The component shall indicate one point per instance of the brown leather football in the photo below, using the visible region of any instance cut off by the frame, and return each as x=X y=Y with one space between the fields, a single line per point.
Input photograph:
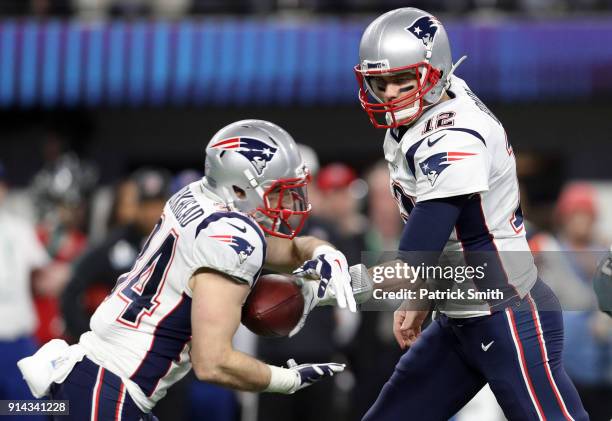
x=274 y=306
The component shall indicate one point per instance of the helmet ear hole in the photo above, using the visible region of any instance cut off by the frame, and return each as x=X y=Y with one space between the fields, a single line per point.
x=239 y=192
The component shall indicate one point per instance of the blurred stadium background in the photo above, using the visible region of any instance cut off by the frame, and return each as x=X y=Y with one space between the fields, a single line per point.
x=94 y=91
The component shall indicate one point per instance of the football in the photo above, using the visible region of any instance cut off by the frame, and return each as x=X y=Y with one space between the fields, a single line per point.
x=274 y=306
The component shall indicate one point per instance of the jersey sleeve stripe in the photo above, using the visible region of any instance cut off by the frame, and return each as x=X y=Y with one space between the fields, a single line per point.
x=219 y=215
x=412 y=150
x=410 y=155
x=468 y=131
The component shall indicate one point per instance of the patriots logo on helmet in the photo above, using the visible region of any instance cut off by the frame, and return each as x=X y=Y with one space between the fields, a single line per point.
x=425 y=29
x=433 y=166
x=256 y=151
x=241 y=246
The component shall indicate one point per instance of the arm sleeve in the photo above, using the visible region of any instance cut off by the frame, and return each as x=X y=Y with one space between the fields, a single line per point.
x=458 y=164
x=428 y=228
x=231 y=244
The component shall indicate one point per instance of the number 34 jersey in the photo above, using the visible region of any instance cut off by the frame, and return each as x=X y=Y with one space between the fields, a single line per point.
x=142 y=330
x=458 y=147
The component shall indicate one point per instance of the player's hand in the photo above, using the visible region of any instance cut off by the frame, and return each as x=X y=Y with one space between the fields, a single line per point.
x=407 y=326
x=308 y=374
x=332 y=269
x=309 y=292
x=361 y=291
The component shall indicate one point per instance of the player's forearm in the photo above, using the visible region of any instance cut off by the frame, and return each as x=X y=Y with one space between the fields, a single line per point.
x=285 y=255
x=305 y=248
x=423 y=239
x=240 y=371
x=235 y=370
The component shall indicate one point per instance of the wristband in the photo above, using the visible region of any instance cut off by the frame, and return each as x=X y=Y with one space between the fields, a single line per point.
x=282 y=380
x=322 y=249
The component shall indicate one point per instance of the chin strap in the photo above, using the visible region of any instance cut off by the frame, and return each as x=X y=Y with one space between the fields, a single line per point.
x=452 y=70
x=447 y=82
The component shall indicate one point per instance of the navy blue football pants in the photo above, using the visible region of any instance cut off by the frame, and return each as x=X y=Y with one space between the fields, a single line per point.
x=96 y=394
x=518 y=351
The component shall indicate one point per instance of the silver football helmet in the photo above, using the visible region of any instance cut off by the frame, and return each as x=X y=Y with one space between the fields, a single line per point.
x=256 y=167
x=405 y=40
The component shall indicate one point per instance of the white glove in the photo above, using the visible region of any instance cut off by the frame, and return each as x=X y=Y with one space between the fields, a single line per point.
x=331 y=267
x=309 y=374
x=309 y=292
x=361 y=290
x=296 y=377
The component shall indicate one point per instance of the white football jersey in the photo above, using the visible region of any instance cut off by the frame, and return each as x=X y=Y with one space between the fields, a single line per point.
x=458 y=147
x=142 y=331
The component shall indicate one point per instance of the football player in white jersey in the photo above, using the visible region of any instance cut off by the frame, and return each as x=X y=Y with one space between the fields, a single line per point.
x=180 y=305
x=453 y=174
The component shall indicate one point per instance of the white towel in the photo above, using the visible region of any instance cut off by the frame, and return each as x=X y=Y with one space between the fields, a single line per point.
x=50 y=364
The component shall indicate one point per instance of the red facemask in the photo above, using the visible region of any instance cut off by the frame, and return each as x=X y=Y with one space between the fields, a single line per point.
x=426 y=77
x=285 y=207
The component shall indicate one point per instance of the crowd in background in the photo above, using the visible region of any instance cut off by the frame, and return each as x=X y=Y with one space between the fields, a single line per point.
x=176 y=8
x=74 y=238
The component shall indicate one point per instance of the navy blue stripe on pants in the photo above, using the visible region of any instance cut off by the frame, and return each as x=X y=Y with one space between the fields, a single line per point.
x=517 y=351
x=96 y=394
